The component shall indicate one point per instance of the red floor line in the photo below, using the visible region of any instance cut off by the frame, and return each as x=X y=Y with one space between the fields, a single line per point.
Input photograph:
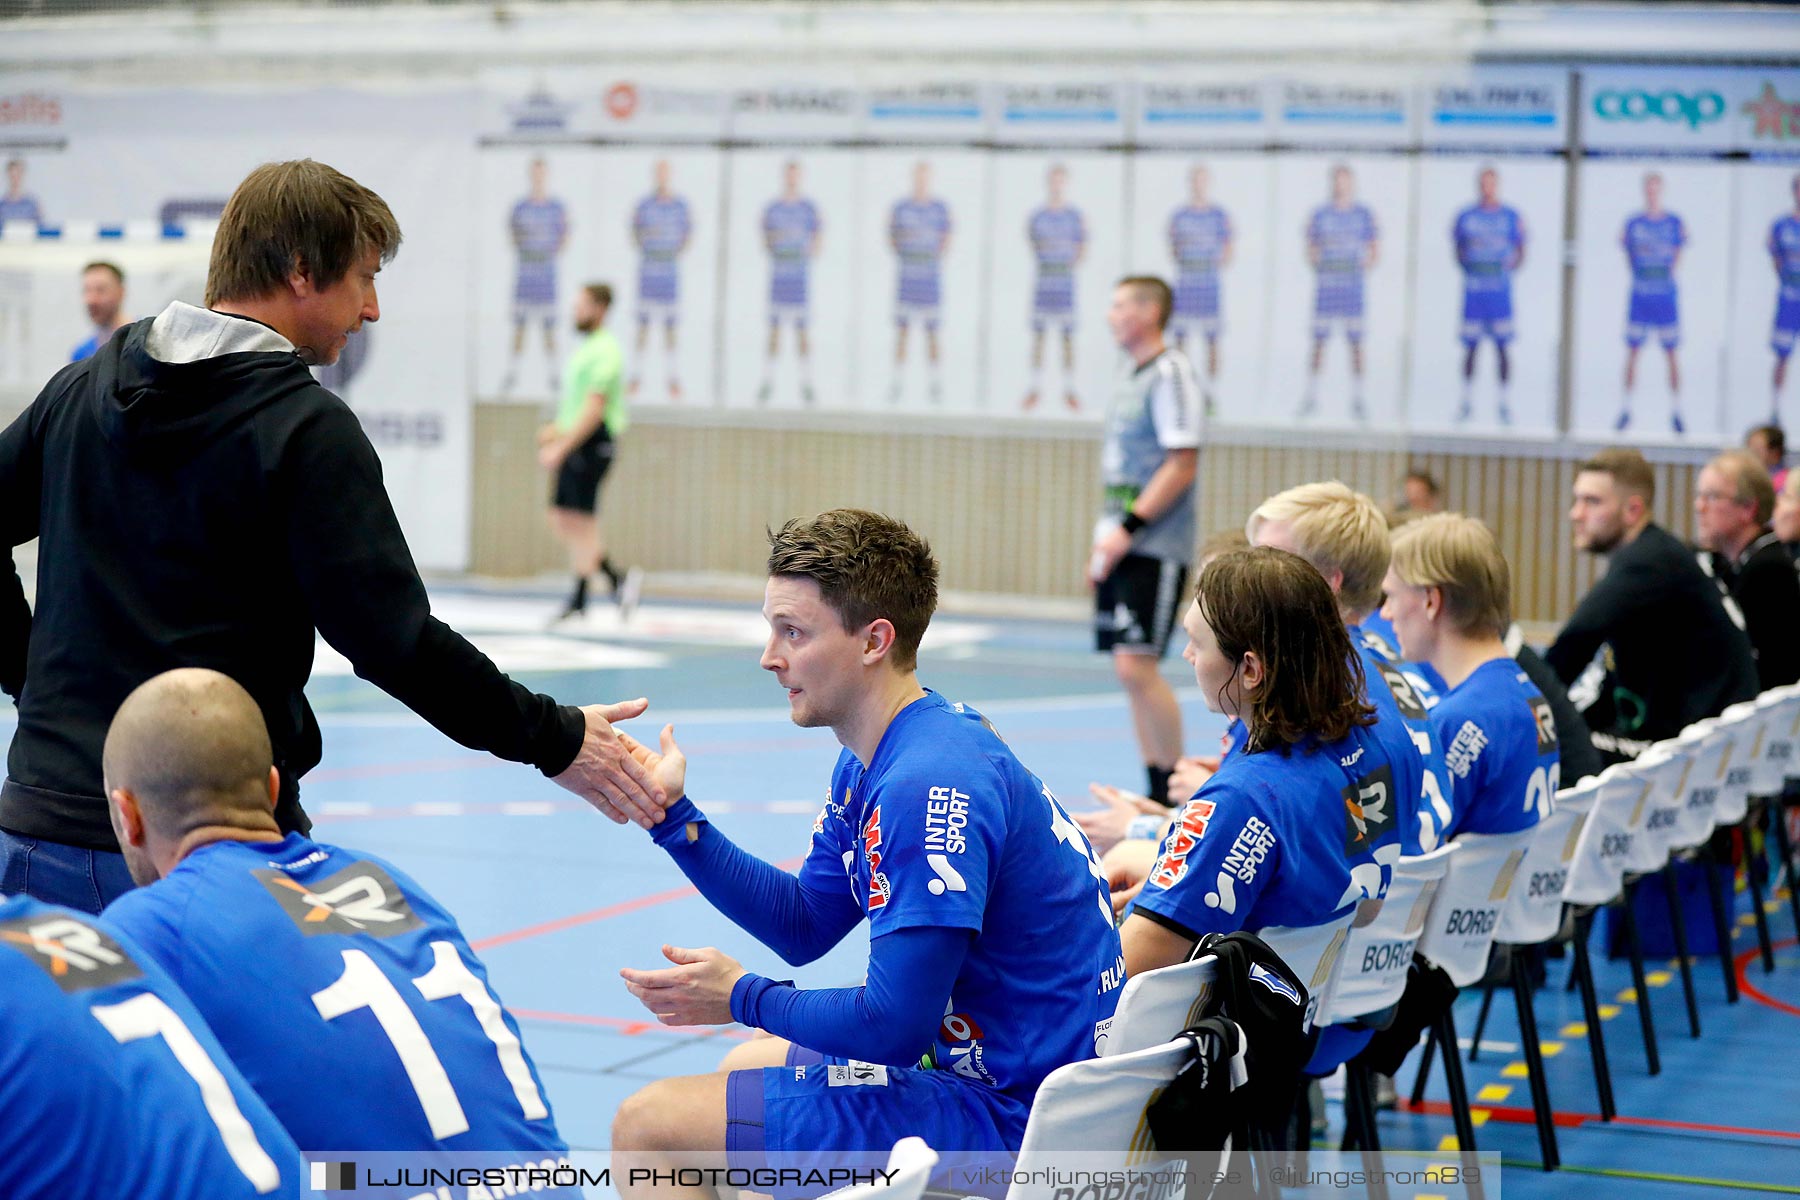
x=1572 y=1120
x=1757 y=994
x=597 y=914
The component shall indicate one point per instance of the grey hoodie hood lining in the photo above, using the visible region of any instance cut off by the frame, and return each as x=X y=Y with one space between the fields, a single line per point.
x=185 y=334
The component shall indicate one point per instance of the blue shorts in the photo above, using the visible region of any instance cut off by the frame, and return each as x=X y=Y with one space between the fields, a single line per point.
x=1053 y=301
x=1656 y=314
x=817 y=1106
x=1787 y=326
x=1487 y=314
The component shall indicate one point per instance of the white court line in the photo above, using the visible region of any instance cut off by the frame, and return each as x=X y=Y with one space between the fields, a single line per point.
x=528 y=808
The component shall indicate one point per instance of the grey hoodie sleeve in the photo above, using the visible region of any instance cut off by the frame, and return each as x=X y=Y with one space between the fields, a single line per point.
x=366 y=598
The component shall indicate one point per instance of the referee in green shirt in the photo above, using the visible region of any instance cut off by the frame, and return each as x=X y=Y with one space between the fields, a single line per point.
x=578 y=446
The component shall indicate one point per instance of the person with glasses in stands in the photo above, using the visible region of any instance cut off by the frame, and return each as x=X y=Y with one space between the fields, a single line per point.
x=1754 y=571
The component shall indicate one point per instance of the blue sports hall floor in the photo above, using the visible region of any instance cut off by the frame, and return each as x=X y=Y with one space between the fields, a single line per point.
x=556 y=899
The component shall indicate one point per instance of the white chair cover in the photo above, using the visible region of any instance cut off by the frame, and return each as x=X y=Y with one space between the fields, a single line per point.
x=1466 y=913
x=1749 y=728
x=1712 y=745
x=1157 y=1005
x=1613 y=826
x=1533 y=913
x=1312 y=953
x=1665 y=768
x=911 y=1160
x=1376 y=957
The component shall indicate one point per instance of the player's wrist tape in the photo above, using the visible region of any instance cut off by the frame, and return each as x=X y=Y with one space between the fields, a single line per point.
x=747 y=995
x=1132 y=523
x=1146 y=826
x=676 y=819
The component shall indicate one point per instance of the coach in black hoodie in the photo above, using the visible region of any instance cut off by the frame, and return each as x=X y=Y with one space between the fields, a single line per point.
x=202 y=502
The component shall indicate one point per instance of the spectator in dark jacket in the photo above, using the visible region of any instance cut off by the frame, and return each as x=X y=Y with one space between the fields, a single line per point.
x=1754 y=571
x=1650 y=649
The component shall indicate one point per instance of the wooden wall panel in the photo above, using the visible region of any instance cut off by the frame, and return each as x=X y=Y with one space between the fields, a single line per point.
x=1007 y=515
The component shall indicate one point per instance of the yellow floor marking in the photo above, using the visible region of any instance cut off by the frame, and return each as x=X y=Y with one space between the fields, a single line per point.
x=1516 y=1070
x=1658 y=978
x=1479 y=1117
x=1448 y=1142
x=1573 y=1029
x=1550 y=1049
x=1494 y=1093
x=1608 y=1012
x=1628 y=996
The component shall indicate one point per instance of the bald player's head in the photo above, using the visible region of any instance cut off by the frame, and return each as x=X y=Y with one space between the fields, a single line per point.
x=188 y=753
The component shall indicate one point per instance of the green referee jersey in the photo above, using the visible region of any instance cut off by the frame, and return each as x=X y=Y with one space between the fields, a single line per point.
x=598 y=365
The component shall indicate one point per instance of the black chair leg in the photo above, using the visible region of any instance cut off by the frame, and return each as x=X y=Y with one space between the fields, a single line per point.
x=1784 y=847
x=1487 y=1002
x=1424 y=1075
x=1678 y=926
x=1754 y=878
x=1721 y=924
x=1444 y=1029
x=1590 y=1007
x=1359 y=1126
x=1534 y=1064
x=1635 y=949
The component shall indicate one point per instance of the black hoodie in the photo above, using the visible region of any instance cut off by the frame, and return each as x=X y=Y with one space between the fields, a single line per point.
x=202 y=502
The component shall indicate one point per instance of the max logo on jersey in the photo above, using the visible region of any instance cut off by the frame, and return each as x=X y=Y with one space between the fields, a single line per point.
x=76 y=955
x=362 y=898
x=1182 y=839
x=879 y=890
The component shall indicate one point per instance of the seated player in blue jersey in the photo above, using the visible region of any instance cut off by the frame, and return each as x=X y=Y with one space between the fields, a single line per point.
x=1449 y=595
x=993 y=958
x=346 y=995
x=110 y=1082
x=1300 y=824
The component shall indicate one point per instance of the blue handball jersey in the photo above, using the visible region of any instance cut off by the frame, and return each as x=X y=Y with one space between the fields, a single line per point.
x=946 y=828
x=1500 y=745
x=1784 y=245
x=1403 y=709
x=1651 y=244
x=347 y=996
x=110 y=1081
x=917 y=229
x=789 y=227
x=1057 y=235
x=1198 y=238
x=1342 y=237
x=1488 y=242
x=661 y=226
x=1278 y=838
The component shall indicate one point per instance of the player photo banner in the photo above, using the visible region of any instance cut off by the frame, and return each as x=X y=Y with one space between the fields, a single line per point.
x=1362 y=110
x=951 y=111
x=1061 y=113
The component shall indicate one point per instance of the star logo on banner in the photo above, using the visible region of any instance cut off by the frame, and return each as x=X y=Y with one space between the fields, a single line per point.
x=1775 y=118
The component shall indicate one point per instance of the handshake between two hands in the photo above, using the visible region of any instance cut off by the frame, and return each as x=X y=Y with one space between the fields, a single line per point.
x=628 y=781
x=620 y=776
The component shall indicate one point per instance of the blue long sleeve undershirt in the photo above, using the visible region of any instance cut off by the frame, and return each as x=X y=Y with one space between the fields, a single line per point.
x=892 y=1019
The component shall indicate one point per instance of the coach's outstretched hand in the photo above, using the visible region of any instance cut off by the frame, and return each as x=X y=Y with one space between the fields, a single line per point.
x=605 y=773
x=668 y=769
x=696 y=991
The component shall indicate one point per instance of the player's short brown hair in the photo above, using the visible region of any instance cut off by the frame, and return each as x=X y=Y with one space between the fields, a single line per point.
x=1750 y=481
x=1155 y=290
x=599 y=293
x=295 y=216
x=101 y=264
x=1629 y=469
x=868 y=567
x=1277 y=605
x=1460 y=557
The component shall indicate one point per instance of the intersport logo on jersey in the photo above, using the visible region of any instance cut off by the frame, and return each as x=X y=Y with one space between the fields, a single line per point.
x=1671 y=106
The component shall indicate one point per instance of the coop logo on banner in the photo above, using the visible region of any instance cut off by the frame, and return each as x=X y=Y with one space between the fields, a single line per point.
x=1671 y=106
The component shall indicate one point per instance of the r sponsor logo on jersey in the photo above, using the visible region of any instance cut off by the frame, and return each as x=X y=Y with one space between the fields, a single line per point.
x=1368 y=811
x=1546 y=724
x=362 y=898
x=879 y=891
x=1411 y=707
x=1186 y=834
x=1252 y=845
x=856 y=1074
x=78 y=956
